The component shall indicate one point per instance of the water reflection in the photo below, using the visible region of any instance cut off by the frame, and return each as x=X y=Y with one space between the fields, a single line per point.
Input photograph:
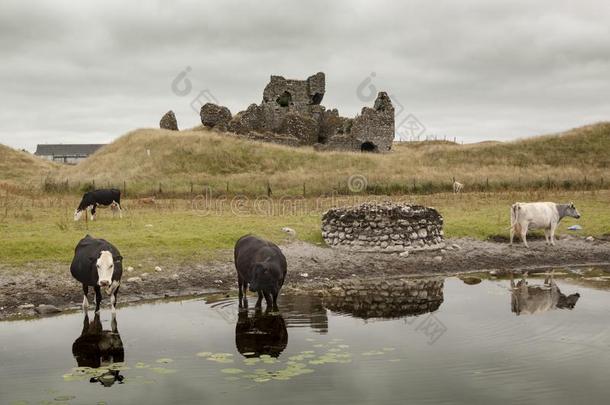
x=394 y=298
x=97 y=348
x=260 y=333
x=529 y=299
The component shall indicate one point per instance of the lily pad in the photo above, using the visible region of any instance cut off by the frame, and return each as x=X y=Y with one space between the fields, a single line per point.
x=232 y=371
x=204 y=354
x=165 y=360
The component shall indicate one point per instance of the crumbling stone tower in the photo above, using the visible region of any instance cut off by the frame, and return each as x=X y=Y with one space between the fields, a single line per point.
x=291 y=113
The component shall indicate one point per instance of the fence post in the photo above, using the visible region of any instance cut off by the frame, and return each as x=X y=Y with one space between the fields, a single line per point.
x=269 y=192
x=124 y=188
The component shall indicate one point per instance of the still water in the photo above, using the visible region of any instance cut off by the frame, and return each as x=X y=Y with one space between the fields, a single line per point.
x=461 y=344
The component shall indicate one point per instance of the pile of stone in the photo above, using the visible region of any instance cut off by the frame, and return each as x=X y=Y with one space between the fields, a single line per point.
x=383 y=227
x=393 y=298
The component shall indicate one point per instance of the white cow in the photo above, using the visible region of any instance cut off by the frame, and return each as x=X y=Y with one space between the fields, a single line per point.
x=457 y=187
x=538 y=215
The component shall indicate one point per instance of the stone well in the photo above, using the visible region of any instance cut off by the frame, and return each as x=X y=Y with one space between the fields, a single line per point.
x=384 y=227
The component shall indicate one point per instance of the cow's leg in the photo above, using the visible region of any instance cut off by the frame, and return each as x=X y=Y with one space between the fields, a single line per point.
x=259 y=300
x=120 y=211
x=512 y=280
x=113 y=299
x=93 y=212
x=85 y=301
x=268 y=299
x=546 y=236
x=98 y=298
x=512 y=234
x=275 y=307
x=524 y=235
x=553 y=228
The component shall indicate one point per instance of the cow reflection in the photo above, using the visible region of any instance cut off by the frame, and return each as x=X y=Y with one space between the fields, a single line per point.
x=96 y=347
x=260 y=333
x=535 y=299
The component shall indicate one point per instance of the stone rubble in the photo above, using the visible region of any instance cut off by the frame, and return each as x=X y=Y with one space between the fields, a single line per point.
x=168 y=121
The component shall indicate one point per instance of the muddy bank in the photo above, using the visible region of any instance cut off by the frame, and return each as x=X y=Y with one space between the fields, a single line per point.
x=310 y=268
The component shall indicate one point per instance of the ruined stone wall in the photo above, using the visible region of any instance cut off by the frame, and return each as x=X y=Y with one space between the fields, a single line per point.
x=382 y=227
x=290 y=113
x=389 y=298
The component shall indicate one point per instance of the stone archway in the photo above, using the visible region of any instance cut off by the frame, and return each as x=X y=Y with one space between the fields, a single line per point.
x=368 y=147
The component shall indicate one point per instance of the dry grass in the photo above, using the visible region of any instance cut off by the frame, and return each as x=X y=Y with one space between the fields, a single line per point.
x=19 y=168
x=575 y=160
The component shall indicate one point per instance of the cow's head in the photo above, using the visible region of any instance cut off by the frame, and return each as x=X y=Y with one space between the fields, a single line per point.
x=105 y=267
x=265 y=278
x=77 y=214
x=571 y=211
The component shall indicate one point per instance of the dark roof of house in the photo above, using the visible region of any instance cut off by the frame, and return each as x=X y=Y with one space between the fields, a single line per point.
x=67 y=149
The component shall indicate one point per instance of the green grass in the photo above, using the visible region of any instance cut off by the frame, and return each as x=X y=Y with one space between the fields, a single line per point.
x=42 y=230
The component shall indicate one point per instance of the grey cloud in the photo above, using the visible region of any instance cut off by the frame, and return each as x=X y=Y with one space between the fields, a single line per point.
x=474 y=69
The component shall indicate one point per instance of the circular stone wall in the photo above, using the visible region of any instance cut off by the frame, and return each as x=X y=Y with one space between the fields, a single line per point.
x=383 y=227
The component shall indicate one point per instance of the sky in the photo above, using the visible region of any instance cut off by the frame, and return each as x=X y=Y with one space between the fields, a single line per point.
x=473 y=70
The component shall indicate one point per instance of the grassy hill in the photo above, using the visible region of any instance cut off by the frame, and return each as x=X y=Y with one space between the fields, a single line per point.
x=149 y=159
x=18 y=168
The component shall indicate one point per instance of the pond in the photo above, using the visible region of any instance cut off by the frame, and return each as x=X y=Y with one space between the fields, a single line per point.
x=435 y=341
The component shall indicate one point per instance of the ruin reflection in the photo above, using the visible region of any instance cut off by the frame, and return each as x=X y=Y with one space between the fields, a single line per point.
x=97 y=348
x=394 y=298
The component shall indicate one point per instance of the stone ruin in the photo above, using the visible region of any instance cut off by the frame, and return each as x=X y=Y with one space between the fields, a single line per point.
x=291 y=113
x=388 y=298
x=168 y=121
x=384 y=227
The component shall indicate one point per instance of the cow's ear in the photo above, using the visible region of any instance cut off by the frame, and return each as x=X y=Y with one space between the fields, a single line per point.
x=118 y=258
x=92 y=259
x=571 y=204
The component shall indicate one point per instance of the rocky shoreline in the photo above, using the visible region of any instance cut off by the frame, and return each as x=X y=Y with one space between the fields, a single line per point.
x=311 y=270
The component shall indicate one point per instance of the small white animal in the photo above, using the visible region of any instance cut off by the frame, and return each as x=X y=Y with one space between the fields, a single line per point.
x=457 y=187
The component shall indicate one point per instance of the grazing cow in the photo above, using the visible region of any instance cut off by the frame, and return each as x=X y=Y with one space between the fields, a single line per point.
x=535 y=299
x=457 y=187
x=99 y=264
x=262 y=265
x=96 y=347
x=91 y=199
x=263 y=333
x=545 y=215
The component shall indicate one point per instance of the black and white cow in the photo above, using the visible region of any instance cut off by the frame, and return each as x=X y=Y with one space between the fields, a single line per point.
x=91 y=199
x=97 y=263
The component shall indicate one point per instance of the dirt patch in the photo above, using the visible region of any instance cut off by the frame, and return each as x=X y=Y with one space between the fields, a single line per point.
x=310 y=268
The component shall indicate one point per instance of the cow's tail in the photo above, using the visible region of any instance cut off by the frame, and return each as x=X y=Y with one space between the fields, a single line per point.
x=514 y=218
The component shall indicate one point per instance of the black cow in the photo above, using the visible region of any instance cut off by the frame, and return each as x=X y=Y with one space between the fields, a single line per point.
x=99 y=264
x=262 y=265
x=260 y=334
x=96 y=347
x=107 y=197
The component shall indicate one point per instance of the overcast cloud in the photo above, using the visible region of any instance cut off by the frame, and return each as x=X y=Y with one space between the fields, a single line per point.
x=88 y=72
